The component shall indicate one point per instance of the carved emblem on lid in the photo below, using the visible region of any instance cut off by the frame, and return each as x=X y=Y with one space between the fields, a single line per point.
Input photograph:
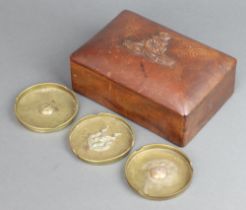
x=153 y=48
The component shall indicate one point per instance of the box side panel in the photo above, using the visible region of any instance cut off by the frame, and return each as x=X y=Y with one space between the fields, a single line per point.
x=150 y=115
x=209 y=106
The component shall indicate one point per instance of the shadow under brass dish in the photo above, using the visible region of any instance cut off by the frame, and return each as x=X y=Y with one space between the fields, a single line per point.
x=101 y=138
x=46 y=107
x=158 y=171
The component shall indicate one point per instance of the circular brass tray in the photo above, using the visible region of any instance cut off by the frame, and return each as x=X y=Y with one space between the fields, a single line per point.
x=46 y=107
x=158 y=171
x=101 y=138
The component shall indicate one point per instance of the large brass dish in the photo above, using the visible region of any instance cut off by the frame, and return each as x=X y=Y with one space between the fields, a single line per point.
x=46 y=107
x=158 y=171
x=101 y=138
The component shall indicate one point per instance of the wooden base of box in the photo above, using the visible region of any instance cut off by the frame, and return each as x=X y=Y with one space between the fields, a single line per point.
x=162 y=121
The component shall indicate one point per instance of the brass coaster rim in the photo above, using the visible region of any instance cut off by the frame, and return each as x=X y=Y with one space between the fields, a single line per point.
x=109 y=160
x=164 y=146
x=46 y=129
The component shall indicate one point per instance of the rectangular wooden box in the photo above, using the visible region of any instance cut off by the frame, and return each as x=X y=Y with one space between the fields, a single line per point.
x=161 y=79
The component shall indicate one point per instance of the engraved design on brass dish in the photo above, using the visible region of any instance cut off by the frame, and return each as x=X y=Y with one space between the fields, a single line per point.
x=153 y=48
x=48 y=108
x=101 y=141
x=158 y=171
x=101 y=138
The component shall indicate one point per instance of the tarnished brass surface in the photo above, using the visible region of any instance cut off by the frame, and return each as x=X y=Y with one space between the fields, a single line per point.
x=101 y=138
x=46 y=107
x=158 y=171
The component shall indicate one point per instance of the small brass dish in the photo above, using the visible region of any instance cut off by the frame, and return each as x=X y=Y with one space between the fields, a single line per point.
x=101 y=138
x=46 y=107
x=158 y=171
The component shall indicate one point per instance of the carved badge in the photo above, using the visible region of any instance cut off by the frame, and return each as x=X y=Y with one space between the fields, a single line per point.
x=153 y=48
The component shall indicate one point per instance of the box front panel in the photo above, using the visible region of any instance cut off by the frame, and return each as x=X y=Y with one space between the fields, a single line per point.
x=143 y=111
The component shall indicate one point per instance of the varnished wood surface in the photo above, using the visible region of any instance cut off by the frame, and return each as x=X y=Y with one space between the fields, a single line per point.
x=153 y=75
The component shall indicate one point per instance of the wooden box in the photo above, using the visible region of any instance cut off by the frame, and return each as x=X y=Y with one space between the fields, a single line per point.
x=161 y=79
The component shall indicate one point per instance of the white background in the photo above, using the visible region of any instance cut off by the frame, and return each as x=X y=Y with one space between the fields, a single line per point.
x=39 y=172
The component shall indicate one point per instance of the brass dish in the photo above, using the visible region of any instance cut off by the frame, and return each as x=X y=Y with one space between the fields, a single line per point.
x=158 y=171
x=46 y=107
x=101 y=138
